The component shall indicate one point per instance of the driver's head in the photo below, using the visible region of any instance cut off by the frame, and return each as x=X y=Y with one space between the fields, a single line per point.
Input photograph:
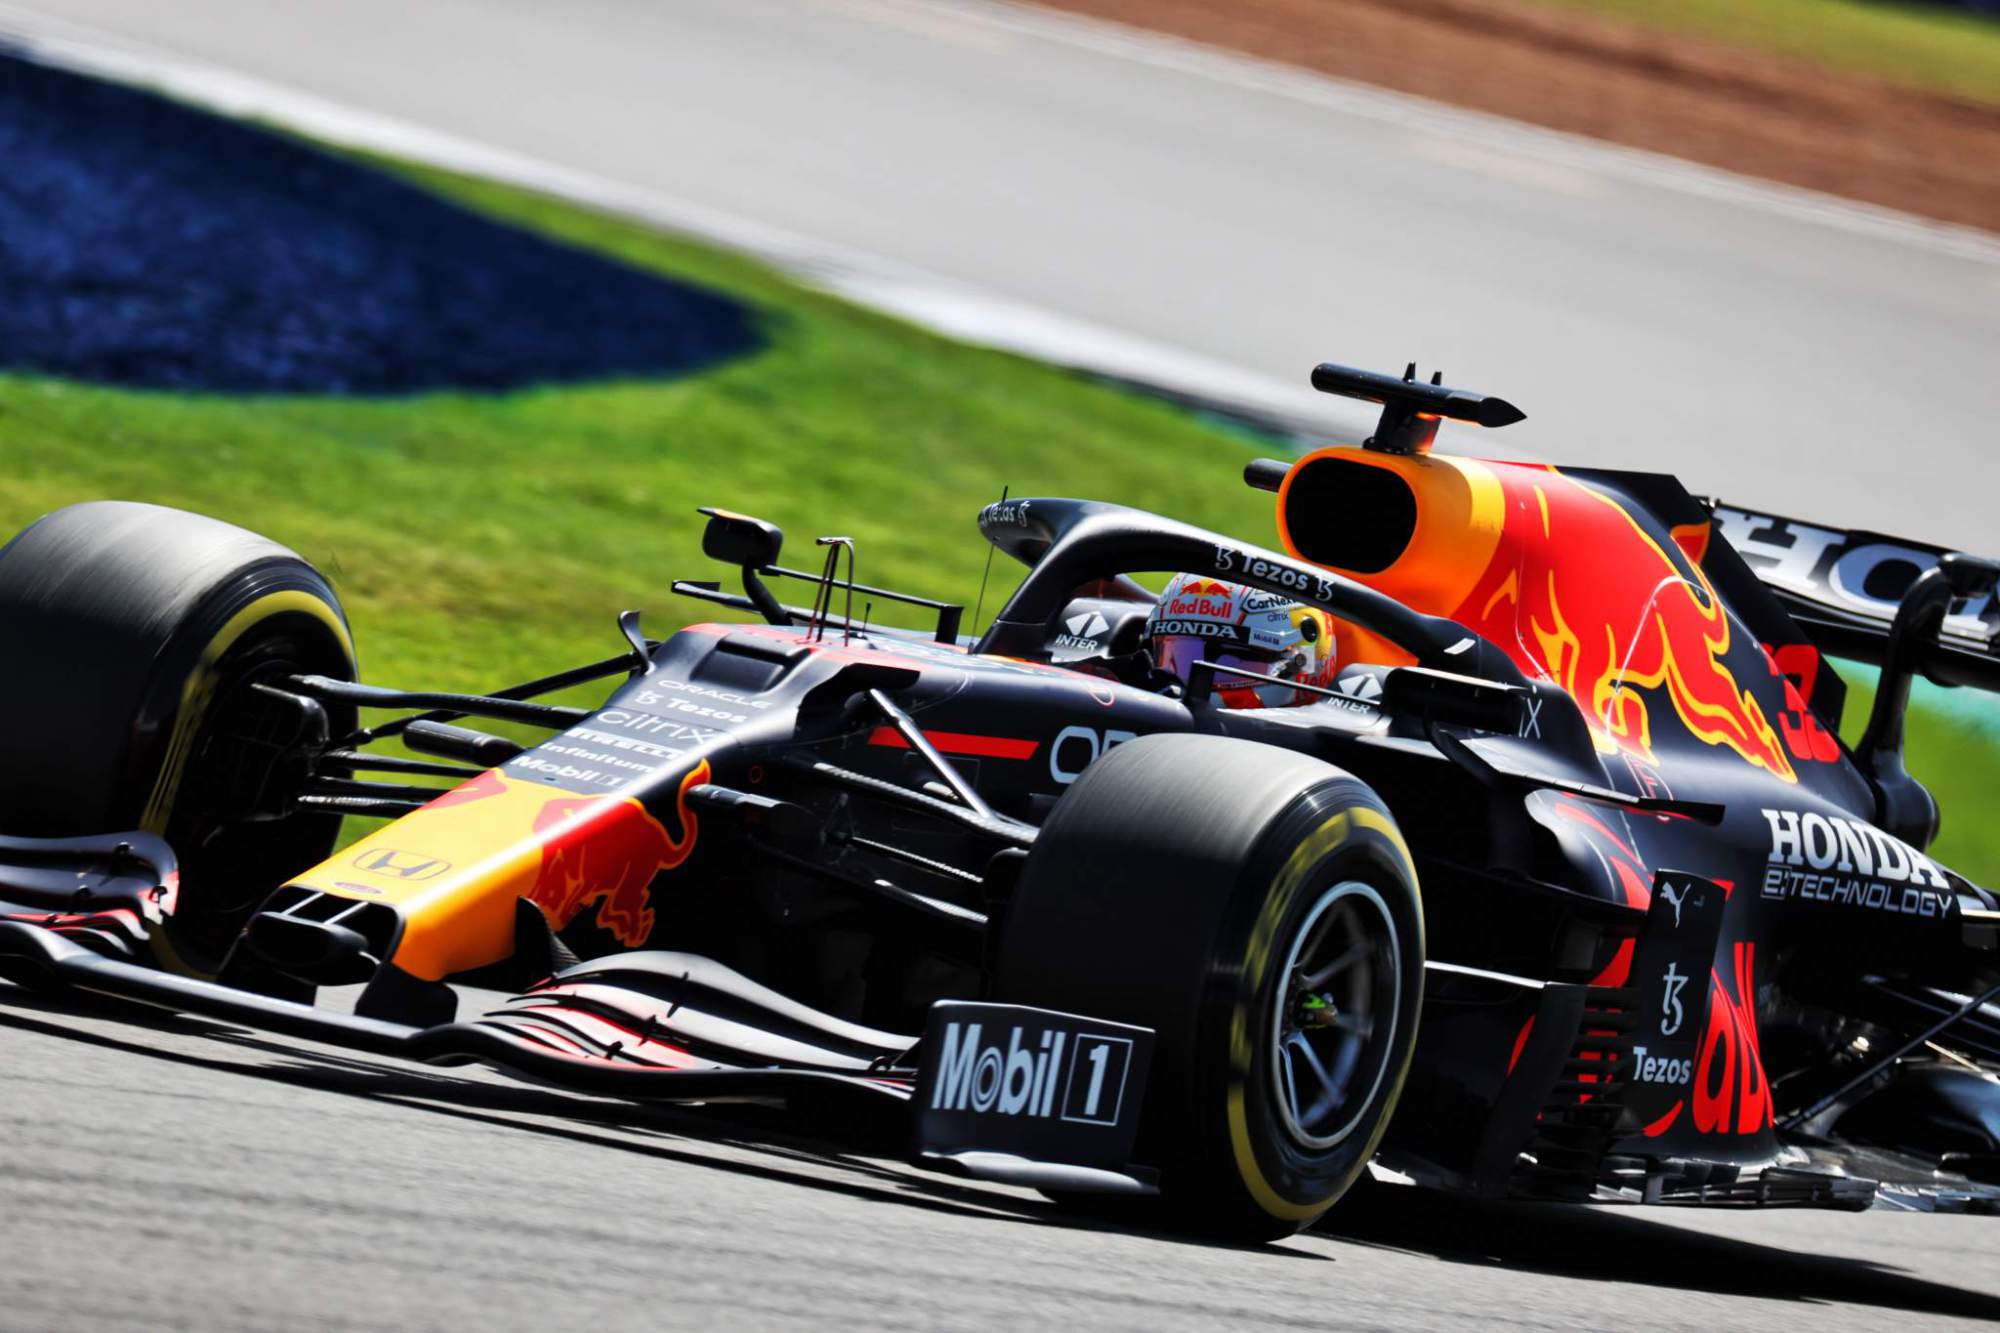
x=1200 y=619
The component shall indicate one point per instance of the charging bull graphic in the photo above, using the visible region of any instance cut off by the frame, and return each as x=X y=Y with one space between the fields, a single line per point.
x=1582 y=594
x=495 y=840
x=1567 y=581
x=588 y=849
x=607 y=851
x=1571 y=584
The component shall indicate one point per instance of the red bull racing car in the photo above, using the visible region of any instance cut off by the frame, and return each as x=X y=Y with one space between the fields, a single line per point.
x=1494 y=833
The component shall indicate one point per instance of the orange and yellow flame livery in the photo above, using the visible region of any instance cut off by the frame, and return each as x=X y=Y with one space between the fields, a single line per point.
x=456 y=868
x=1569 y=583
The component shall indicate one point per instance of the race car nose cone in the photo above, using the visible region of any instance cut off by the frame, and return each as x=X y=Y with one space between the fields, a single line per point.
x=317 y=951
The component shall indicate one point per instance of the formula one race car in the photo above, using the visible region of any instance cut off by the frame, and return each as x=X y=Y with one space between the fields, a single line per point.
x=1556 y=882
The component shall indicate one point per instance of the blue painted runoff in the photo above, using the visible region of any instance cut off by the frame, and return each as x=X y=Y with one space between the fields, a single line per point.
x=148 y=244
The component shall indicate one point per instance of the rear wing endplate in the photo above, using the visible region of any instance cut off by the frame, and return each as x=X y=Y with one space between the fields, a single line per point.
x=1843 y=589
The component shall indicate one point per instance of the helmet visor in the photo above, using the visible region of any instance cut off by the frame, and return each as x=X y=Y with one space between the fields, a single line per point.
x=1177 y=653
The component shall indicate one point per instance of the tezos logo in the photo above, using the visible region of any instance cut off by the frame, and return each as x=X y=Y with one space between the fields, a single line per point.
x=1659 y=1068
x=1027 y=1078
x=1671 y=1015
x=1269 y=571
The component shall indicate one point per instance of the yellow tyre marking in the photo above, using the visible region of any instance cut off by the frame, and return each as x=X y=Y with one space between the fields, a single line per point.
x=1257 y=958
x=1382 y=824
x=200 y=685
x=1253 y=1175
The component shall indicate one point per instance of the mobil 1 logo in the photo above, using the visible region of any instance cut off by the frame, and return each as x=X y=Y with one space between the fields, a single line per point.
x=1047 y=1086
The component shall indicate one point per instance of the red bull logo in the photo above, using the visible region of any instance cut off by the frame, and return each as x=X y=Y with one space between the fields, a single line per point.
x=1731 y=1093
x=608 y=850
x=1581 y=594
x=457 y=869
x=1201 y=597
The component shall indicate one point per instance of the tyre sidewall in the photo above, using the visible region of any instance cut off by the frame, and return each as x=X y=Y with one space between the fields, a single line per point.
x=119 y=623
x=130 y=636
x=283 y=600
x=1334 y=832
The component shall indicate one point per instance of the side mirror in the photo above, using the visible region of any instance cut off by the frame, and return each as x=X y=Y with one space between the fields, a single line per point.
x=750 y=544
x=740 y=540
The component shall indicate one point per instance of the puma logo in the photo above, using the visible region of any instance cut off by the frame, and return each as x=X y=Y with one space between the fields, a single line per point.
x=1674 y=899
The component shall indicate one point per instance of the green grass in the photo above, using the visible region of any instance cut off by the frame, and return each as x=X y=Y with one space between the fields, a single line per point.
x=1922 y=46
x=482 y=539
x=1952 y=747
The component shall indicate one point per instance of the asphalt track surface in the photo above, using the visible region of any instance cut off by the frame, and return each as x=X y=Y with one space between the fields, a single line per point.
x=1203 y=219
x=190 y=1174
x=184 y=1174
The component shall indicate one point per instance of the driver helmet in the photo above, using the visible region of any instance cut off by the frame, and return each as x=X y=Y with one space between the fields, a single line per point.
x=1204 y=620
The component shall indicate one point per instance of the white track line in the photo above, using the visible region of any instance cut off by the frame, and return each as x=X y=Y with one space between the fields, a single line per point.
x=946 y=305
x=1410 y=112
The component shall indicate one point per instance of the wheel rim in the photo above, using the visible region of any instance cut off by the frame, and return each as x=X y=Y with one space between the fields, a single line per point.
x=230 y=863
x=1334 y=1015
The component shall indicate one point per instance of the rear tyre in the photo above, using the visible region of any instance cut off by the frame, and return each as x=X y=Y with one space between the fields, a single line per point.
x=130 y=636
x=1258 y=910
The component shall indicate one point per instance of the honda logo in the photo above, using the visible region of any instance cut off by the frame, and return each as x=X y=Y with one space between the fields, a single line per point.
x=400 y=865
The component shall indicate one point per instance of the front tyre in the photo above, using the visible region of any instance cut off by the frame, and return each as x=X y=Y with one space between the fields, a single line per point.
x=132 y=641
x=1258 y=910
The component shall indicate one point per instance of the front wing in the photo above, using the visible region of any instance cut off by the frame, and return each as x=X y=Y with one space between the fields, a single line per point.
x=680 y=1028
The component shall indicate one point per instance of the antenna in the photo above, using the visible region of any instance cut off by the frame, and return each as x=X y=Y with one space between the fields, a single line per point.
x=980 y=605
x=847 y=616
x=1411 y=409
x=823 y=599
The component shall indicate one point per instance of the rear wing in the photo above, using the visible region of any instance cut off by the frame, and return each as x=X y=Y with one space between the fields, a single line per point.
x=1843 y=589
